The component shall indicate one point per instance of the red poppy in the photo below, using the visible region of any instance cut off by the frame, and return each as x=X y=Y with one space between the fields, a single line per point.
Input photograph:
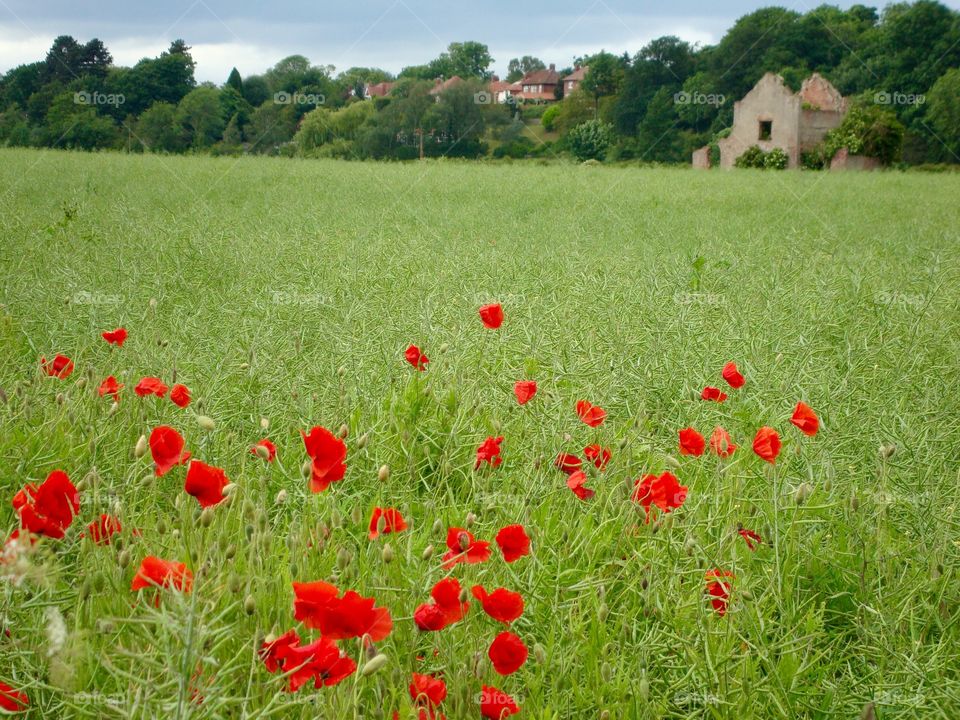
x=150 y=386
x=496 y=704
x=691 y=442
x=427 y=691
x=269 y=446
x=766 y=444
x=321 y=661
x=463 y=548
x=416 y=358
x=49 y=509
x=732 y=375
x=115 y=337
x=805 y=419
x=444 y=609
x=489 y=452
x=319 y=606
x=513 y=542
x=392 y=522
x=60 y=367
x=103 y=528
x=507 y=653
x=665 y=492
x=752 y=539
x=502 y=604
x=166 y=447
x=180 y=395
x=328 y=453
x=720 y=443
x=592 y=415
x=524 y=390
x=719 y=589
x=712 y=393
x=275 y=652
x=205 y=483
x=492 y=315
x=154 y=572
x=110 y=386
x=599 y=455
x=567 y=462
x=12 y=700
x=577 y=482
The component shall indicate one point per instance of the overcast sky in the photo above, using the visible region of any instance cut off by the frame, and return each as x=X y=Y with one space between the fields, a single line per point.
x=389 y=34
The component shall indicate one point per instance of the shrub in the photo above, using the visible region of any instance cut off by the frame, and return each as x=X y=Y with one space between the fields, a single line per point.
x=549 y=117
x=870 y=131
x=751 y=158
x=590 y=140
x=776 y=159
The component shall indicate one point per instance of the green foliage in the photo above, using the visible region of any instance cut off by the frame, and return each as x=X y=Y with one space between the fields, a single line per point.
x=201 y=115
x=590 y=140
x=518 y=67
x=159 y=129
x=943 y=111
x=549 y=117
x=867 y=130
x=752 y=157
x=776 y=159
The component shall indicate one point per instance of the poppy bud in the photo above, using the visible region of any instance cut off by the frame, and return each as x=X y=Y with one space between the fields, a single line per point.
x=341 y=371
x=105 y=627
x=81 y=383
x=803 y=491
x=444 y=347
x=437 y=526
x=234 y=583
x=381 y=524
x=644 y=686
x=124 y=559
x=567 y=437
x=363 y=440
x=428 y=552
x=153 y=303
x=206 y=422
x=540 y=653
x=869 y=713
x=3 y=396
x=606 y=672
x=463 y=540
x=85 y=589
x=387 y=554
x=356 y=515
x=746 y=595
x=464 y=595
x=887 y=449
x=230 y=488
x=383 y=474
x=605 y=715
x=373 y=665
x=249 y=605
x=470 y=519
x=343 y=558
x=244 y=366
x=206 y=517
x=854 y=502
x=603 y=612
x=672 y=462
x=264 y=423
x=344 y=431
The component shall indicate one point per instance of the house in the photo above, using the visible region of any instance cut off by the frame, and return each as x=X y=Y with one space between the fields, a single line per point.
x=772 y=116
x=572 y=81
x=540 y=85
x=439 y=85
x=503 y=92
x=377 y=90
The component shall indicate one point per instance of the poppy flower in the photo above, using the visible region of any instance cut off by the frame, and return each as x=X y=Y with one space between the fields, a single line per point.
x=491 y=315
x=268 y=446
x=507 y=653
x=665 y=492
x=719 y=589
x=444 y=609
x=103 y=528
x=502 y=605
x=805 y=419
x=321 y=661
x=592 y=415
x=166 y=447
x=319 y=605
x=416 y=358
x=328 y=453
x=524 y=390
x=691 y=442
x=714 y=394
x=60 y=367
x=567 y=463
x=392 y=522
x=115 y=337
x=489 y=452
x=752 y=539
x=732 y=375
x=577 y=482
x=496 y=704
x=12 y=700
x=513 y=542
x=180 y=395
x=599 y=455
x=49 y=509
x=110 y=386
x=463 y=548
x=150 y=386
x=275 y=652
x=154 y=572
x=720 y=442
x=205 y=483
x=427 y=691
x=766 y=444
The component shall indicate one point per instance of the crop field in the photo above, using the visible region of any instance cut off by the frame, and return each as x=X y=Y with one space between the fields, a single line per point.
x=811 y=571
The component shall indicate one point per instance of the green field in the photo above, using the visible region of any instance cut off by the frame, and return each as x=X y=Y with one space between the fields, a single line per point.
x=288 y=290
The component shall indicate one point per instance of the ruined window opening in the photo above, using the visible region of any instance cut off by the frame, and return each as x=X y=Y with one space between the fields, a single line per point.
x=766 y=129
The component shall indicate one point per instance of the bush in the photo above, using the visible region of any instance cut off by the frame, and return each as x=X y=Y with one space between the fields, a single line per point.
x=549 y=118
x=776 y=159
x=870 y=131
x=532 y=111
x=590 y=140
x=751 y=158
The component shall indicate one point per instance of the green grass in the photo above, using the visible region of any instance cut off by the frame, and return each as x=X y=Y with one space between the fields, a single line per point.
x=288 y=290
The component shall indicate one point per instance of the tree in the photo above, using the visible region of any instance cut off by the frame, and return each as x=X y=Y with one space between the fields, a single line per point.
x=235 y=81
x=603 y=77
x=943 y=112
x=520 y=67
x=201 y=115
x=657 y=136
x=867 y=130
x=71 y=125
x=159 y=130
x=256 y=91
x=590 y=140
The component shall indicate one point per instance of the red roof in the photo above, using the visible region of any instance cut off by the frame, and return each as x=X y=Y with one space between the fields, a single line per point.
x=379 y=89
x=548 y=76
x=579 y=74
x=441 y=85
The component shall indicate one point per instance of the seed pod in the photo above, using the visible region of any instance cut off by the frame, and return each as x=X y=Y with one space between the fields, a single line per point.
x=606 y=672
x=306 y=469
x=428 y=552
x=262 y=452
x=341 y=371
x=206 y=517
x=343 y=558
x=887 y=450
x=363 y=440
x=470 y=519
x=234 y=583
x=540 y=653
x=387 y=554
x=244 y=366
x=603 y=612
x=356 y=515
x=644 y=686
x=206 y=422
x=373 y=665
x=344 y=431
x=383 y=474
x=437 y=526
x=281 y=497
x=672 y=462
x=444 y=347
x=124 y=559
x=803 y=491
x=230 y=552
x=249 y=605
x=81 y=383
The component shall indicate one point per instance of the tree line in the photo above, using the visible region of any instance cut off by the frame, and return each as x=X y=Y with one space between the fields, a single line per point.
x=899 y=65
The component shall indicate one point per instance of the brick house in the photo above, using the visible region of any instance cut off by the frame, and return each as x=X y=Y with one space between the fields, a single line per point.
x=572 y=81
x=378 y=90
x=502 y=91
x=772 y=116
x=439 y=85
x=540 y=85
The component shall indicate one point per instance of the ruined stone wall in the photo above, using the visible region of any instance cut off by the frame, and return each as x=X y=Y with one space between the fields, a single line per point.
x=769 y=100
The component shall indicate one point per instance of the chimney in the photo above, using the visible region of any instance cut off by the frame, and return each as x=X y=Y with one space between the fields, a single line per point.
x=552 y=67
x=496 y=78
